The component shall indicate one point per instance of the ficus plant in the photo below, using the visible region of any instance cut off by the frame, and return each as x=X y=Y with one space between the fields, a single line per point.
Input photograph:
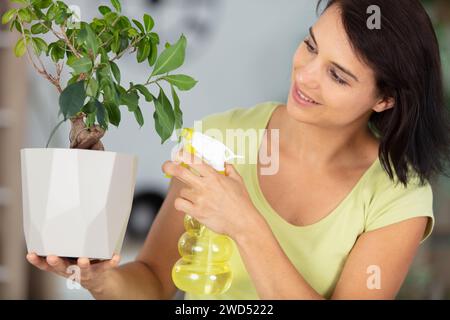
x=92 y=97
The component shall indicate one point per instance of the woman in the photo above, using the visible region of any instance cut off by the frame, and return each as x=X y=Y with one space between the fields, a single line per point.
x=362 y=133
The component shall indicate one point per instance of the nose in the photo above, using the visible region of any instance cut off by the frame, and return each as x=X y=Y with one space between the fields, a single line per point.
x=308 y=75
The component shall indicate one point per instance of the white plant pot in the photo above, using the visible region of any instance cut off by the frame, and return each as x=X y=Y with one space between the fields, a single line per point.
x=76 y=203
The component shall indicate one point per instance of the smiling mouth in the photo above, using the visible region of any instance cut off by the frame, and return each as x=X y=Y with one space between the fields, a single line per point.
x=304 y=96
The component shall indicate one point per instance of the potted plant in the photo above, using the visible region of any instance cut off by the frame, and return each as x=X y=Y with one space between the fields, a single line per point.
x=76 y=201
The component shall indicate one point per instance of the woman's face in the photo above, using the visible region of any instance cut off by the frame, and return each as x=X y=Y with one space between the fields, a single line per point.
x=326 y=70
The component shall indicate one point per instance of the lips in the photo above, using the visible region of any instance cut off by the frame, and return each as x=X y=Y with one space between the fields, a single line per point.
x=304 y=96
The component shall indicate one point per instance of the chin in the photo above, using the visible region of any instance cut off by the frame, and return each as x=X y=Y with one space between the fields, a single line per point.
x=300 y=114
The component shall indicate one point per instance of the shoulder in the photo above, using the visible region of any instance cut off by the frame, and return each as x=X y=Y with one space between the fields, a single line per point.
x=389 y=201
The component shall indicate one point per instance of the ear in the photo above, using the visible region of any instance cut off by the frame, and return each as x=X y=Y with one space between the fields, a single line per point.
x=384 y=104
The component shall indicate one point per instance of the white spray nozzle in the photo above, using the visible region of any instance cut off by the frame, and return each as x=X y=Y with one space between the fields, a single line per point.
x=212 y=151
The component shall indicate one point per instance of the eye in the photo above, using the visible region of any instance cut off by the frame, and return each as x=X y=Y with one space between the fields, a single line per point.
x=336 y=78
x=309 y=46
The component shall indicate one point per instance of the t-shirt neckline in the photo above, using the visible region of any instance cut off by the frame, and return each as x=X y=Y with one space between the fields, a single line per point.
x=273 y=213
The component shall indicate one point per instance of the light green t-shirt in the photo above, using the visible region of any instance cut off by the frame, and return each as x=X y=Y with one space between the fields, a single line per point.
x=319 y=250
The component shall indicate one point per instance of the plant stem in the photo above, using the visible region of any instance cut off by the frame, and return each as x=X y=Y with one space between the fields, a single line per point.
x=53 y=31
x=67 y=41
x=132 y=44
x=42 y=69
x=53 y=132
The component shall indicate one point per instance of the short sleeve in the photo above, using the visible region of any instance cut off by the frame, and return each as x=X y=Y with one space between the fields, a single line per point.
x=396 y=203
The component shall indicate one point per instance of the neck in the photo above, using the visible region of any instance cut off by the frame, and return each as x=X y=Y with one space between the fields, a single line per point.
x=323 y=147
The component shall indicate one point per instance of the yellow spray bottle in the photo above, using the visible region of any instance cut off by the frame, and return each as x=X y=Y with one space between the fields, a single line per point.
x=203 y=267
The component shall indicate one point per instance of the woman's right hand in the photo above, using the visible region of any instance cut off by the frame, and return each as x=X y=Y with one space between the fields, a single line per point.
x=91 y=273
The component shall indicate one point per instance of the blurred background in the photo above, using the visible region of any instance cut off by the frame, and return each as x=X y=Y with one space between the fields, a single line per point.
x=240 y=52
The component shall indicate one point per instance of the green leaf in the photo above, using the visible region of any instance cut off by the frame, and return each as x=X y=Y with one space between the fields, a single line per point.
x=37 y=13
x=17 y=26
x=39 y=45
x=124 y=23
x=139 y=25
x=113 y=113
x=154 y=37
x=25 y=15
x=82 y=65
x=91 y=39
x=132 y=32
x=178 y=114
x=181 y=81
x=39 y=28
x=115 y=45
x=104 y=10
x=52 y=12
x=111 y=17
x=19 y=1
x=148 y=22
x=153 y=54
x=92 y=88
x=171 y=58
x=89 y=107
x=145 y=92
x=42 y=4
x=123 y=42
x=116 y=71
x=116 y=5
x=9 y=15
x=102 y=115
x=131 y=100
x=56 y=52
x=72 y=99
x=61 y=16
x=21 y=47
x=164 y=117
x=73 y=79
x=90 y=120
x=139 y=117
x=144 y=48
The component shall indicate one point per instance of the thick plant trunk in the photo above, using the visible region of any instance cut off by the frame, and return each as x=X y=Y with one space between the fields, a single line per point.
x=82 y=137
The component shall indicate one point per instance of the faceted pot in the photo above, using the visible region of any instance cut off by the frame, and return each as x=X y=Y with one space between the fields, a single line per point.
x=76 y=203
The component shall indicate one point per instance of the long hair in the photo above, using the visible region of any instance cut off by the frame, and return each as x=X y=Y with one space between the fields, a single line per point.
x=404 y=55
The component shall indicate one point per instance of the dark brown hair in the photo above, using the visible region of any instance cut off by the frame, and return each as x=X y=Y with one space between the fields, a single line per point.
x=404 y=54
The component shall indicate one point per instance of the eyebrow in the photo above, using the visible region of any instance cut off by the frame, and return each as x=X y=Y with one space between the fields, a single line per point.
x=333 y=63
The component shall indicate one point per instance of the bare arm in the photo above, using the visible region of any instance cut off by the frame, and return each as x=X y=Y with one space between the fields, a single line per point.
x=391 y=249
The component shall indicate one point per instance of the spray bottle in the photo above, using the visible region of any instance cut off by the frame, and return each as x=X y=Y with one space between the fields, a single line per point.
x=203 y=267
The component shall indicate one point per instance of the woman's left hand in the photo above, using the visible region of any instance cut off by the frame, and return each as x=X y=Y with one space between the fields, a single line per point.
x=220 y=202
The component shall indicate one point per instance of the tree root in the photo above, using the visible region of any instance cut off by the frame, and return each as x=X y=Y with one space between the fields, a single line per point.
x=82 y=137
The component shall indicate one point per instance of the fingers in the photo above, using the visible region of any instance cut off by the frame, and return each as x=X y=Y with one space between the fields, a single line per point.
x=58 y=264
x=38 y=262
x=51 y=263
x=184 y=206
x=114 y=262
x=181 y=173
x=84 y=263
x=231 y=171
x=203 y=168
x=188 y=194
